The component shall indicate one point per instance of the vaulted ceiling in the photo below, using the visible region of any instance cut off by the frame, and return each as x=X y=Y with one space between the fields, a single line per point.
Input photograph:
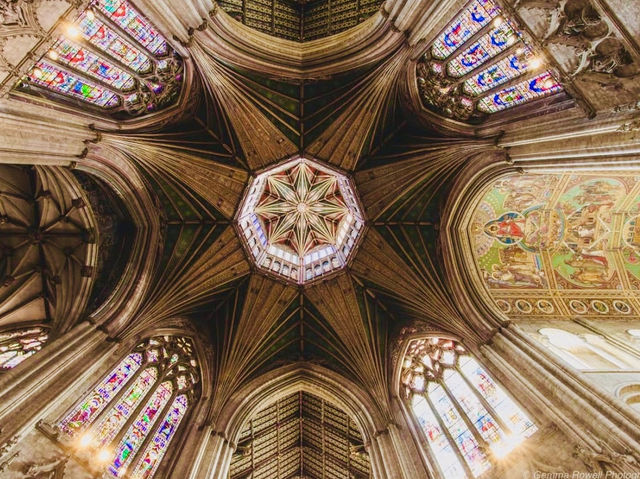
x=245 y=116
x=300 y=436
x=300 y=20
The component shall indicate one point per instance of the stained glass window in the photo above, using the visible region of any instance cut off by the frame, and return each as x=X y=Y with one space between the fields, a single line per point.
x=506 y=69
x=472 y=19
x=86 y=412
x=128 y=420
x=110 y=57
x=20 y=344
x=134 y=24
x=67 y=83
x=486 y=47
x=155 y=451
x=475 y=67
x=467 y=419
x=536 y=87
x=134 y=436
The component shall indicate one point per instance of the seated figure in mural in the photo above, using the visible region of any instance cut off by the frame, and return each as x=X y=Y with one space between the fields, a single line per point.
x=522 y=274
x=508 y=228
x=591 y=268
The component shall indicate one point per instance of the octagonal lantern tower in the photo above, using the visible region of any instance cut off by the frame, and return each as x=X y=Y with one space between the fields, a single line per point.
x=300 y=220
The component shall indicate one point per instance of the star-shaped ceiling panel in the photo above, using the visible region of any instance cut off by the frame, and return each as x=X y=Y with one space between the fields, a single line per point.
x=300 y=220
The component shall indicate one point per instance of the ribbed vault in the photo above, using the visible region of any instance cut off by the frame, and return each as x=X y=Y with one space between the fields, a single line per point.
x=48 y=247
x=353 y=116
x=300 y=436
x=199 y=170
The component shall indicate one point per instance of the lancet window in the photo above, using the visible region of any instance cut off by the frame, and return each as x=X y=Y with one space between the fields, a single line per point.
x=467 y=419
x=112 y=58
x=129 y=418
x=20 y=344
x=587 y=351
x=481 y=64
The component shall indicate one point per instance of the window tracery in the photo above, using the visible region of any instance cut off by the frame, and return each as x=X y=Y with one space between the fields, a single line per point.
x=110 y=57
x=482 y=64
x=20 y=344
x=467 y=419
x=130 y=417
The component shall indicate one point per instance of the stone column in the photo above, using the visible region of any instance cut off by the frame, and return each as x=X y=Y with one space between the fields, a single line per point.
x=42 y=383
x=34 y=134
x=404 y=439
x=555 y=395
x=213 y=456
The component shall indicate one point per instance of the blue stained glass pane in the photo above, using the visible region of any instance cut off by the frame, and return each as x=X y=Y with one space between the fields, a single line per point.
x=155 y=451
x=473 y=408
x=469 y=22
x=489 y=45
x=134 y=24
x=536 y=87
x=499 y=73
x=136 y=434
x=81 y=59
x=111 y=423
x=107 y=40
x=61 y=81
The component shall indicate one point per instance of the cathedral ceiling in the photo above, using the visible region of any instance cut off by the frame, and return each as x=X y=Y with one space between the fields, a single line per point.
x=48 y=248
x=300 y=436
x=300 y=20
x=357 y=121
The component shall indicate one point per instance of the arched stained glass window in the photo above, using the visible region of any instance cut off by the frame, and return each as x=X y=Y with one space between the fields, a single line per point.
x=481 y=64
x=587 y=351
x=466 y=418
x=112 y=58
x=20 y=344
x=130 y=417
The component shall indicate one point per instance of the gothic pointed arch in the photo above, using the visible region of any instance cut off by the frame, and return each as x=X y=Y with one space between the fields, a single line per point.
x=463 y=420
x=547 y=246
x=48 y=257
x=128 y=420
x=357 y=423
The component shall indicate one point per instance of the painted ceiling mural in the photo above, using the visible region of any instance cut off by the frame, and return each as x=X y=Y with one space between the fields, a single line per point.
x=560 y=245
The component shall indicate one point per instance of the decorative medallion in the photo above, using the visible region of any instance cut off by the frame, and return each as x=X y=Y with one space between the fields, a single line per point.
x=300 y=220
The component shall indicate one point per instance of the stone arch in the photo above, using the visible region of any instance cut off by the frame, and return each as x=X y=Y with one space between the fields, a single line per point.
x=117 y=171
x=543 y=245
x=630 y=394
x=321 y=382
